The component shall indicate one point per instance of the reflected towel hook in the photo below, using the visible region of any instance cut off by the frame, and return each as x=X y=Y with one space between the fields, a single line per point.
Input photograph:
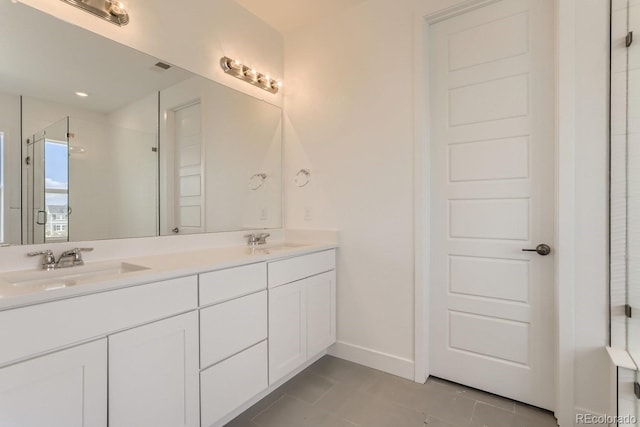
x=302 y=177
x=257 y=180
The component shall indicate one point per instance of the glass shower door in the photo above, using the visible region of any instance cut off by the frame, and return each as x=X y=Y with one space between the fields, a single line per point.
x=48 y=184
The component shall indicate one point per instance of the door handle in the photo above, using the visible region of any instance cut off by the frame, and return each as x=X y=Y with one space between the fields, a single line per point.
x=44 y=215
x=176 y=230
x=542 y=249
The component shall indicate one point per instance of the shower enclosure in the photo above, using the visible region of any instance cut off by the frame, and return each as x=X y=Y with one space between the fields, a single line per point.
x=47 y=184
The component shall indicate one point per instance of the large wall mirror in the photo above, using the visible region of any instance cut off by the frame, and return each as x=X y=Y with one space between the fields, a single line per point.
x=99 y=141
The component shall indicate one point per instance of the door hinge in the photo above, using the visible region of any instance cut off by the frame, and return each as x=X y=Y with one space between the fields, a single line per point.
x=154 y=149
x=71 y=135
x=628 y=312
x=629 y=39
x=636 y=390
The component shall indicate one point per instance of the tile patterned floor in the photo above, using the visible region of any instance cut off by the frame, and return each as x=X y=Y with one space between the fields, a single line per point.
x=336 y=393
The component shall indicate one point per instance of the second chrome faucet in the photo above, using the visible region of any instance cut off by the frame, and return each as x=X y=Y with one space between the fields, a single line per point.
x=257 y=239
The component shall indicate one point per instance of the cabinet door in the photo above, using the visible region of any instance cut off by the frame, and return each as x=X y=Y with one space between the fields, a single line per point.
x=287 y=329
x=321 y=312
x=67 y=388
x=153 y=375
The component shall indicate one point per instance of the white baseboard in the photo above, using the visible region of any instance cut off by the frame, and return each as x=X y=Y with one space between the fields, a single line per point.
x=373 y=359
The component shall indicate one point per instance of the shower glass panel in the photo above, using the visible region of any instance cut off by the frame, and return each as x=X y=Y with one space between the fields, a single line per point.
x=633 y=182
x=48 y=184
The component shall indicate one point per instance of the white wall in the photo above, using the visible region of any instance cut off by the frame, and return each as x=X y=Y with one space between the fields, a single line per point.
x=354 y=132
x=193 y=35
x=349 y=120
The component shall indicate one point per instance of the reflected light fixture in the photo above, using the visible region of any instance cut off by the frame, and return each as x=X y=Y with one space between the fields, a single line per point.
x=249 y=75
x=82 y=94
x=109 y=10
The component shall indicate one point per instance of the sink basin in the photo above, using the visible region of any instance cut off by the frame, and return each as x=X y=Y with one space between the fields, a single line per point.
x=277 y=247
x=66 y=277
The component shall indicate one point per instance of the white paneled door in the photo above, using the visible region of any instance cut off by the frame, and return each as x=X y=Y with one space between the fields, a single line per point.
x=492 y=195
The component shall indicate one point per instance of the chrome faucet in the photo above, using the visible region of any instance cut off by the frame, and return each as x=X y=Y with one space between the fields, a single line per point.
x=257 y=239
x=72 y=257
x=48 y=259
x=69 y=258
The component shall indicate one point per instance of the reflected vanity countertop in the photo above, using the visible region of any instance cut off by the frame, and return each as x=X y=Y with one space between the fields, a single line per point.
x=27 y=287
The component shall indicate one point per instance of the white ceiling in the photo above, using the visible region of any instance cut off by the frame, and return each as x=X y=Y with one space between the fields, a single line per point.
x=289 y=15
x=43 y=57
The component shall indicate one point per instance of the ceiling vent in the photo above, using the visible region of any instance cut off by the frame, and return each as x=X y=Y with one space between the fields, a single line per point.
x=163 y=65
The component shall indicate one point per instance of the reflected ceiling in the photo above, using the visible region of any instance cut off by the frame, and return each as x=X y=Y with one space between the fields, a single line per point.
x=39 y=64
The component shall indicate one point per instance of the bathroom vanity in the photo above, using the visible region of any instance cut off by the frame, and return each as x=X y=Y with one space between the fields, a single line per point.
x=189 y=339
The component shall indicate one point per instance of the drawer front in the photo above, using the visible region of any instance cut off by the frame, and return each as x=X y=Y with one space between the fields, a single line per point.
x=222 y=285
x=229 y=384
x=52 y=325
x=292 y=269
x=230 y=327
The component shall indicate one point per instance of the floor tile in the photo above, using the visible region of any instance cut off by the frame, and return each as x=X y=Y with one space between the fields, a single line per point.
x=241 y=421
x=489 y=416
x=367 y=409
x=308 y=386
x=289 y=411
x=536 y=416
x=336 y=393
x=435 y=422
x=344 y=372
x=490 y=399
x=451 y=408
x=261 y=405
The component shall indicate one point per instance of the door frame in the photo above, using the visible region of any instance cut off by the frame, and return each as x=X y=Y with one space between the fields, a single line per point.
x=427 y=14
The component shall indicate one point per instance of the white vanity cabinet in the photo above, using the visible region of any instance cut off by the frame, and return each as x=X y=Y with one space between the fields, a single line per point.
x=53 y=378
x=153 y=374
x=233 y=334
x=185 y=352
x=66 y=388
x=302 y=310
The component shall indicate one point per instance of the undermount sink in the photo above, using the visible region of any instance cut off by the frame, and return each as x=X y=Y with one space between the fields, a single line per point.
x=66 y=277
x=277 y=247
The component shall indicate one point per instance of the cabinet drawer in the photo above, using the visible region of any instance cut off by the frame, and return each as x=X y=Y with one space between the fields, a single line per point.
x=230 y=327
x=229 y=384
x=292 y=269
x=222 y=285
x=44 y=327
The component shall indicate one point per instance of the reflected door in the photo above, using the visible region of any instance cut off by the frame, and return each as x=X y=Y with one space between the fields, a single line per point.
x=188 y=215
x=48 y=184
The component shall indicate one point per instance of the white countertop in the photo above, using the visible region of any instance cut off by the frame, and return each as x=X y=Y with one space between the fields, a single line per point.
x=156 y=268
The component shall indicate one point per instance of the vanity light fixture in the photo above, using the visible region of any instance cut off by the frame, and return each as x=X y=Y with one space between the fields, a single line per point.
x=109 y=10
x=82 y=94
x=249 y=75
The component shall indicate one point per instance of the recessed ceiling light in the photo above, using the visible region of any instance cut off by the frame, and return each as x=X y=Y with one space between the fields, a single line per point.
x=82 y=94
